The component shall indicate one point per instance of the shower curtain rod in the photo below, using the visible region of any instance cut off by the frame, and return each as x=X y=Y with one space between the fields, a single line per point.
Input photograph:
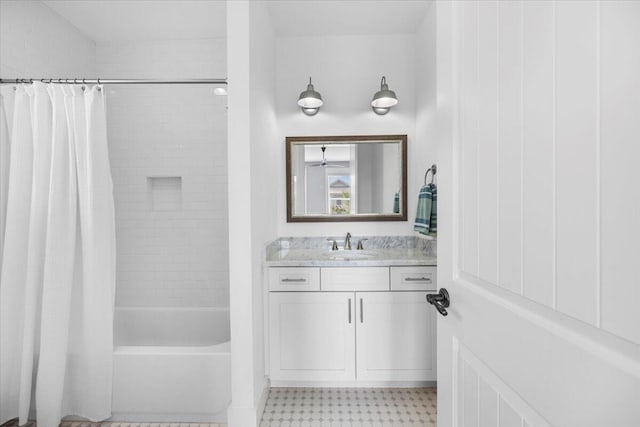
x=117 y=81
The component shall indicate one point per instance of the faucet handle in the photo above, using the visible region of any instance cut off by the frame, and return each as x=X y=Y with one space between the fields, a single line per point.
x=334 y=245
x=360 y=247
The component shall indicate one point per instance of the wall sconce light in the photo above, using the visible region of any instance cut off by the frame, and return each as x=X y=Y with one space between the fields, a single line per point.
x=384 y=99
x=310 y=101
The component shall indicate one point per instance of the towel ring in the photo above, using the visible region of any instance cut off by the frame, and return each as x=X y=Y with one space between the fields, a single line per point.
x=433 y=170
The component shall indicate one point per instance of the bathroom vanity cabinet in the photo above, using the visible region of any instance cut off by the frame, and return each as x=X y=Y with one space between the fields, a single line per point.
x=351 y=325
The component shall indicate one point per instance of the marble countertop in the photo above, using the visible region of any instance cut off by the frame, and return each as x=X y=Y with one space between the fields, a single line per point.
x=381 y=252
x=342 y=258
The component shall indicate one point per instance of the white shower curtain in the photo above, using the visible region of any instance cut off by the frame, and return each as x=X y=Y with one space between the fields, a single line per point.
x=57 y=277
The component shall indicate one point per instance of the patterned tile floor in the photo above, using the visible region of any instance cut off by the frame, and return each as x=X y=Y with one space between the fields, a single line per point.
x=350 y=407
x=324 y=407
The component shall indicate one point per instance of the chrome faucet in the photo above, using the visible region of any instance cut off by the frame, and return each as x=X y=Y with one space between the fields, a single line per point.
x=334 y=245
x=347 y=242
x=360 y=246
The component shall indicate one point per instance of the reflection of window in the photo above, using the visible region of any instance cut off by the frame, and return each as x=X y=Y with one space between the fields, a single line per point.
x=339 y=194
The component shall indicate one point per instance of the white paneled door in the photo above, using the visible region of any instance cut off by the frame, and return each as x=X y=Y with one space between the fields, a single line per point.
x=538 y=143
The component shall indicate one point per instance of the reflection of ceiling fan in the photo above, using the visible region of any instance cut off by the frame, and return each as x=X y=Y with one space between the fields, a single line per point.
x=324 y=163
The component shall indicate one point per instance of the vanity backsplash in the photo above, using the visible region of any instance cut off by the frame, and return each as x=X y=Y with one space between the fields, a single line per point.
x=428 y=246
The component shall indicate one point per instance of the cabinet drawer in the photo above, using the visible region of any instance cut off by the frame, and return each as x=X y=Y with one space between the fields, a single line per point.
x=355 y=279
x=413 y=278
x=294 y=279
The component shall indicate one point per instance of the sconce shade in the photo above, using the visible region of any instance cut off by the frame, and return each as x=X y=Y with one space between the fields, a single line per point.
x=384 y=99
x=310 y=101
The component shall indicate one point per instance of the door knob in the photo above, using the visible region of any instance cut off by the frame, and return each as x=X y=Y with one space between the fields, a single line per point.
x=440 y=301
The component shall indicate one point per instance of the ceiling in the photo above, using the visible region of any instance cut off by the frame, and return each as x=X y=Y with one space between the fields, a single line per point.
x=334 y=153
x=342 y=17
x=106 y=21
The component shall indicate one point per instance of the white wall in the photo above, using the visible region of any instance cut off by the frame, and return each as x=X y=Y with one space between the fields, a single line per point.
x=35 y=42
x=253 y=150
x=168 y=255
x=264 y=177
x=347 y=70
x=425 y=93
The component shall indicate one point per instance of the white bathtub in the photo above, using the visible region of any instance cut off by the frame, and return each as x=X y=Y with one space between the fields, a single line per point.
x=171 y=364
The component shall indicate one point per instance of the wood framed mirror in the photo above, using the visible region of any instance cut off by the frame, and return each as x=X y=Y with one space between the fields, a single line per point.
x=346 y=178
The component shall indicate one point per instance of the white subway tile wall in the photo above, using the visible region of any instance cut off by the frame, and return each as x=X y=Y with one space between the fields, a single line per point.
x=168 y=151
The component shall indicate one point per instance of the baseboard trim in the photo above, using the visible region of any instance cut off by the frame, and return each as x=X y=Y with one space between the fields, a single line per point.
x=249 y=417
x=355 y=384
x=119 y=417
x=262 y=400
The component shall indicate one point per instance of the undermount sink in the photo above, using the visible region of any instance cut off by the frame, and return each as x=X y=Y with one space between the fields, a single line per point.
x=346 y=255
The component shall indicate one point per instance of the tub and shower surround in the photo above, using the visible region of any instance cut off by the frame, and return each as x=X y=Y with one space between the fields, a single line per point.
x=57 y=280
x=171 y=364
x=168 y=149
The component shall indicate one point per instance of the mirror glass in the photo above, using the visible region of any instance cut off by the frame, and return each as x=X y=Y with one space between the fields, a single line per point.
x=346 y=178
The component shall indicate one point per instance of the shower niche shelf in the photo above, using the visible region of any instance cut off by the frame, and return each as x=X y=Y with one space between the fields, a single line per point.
x=165 y=193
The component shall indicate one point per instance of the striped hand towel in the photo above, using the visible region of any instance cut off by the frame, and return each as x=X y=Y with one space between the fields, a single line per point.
x=427 y=213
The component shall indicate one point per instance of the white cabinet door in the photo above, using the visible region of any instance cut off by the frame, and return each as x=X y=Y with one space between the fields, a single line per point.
x=395 y=335
x=312 y=336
